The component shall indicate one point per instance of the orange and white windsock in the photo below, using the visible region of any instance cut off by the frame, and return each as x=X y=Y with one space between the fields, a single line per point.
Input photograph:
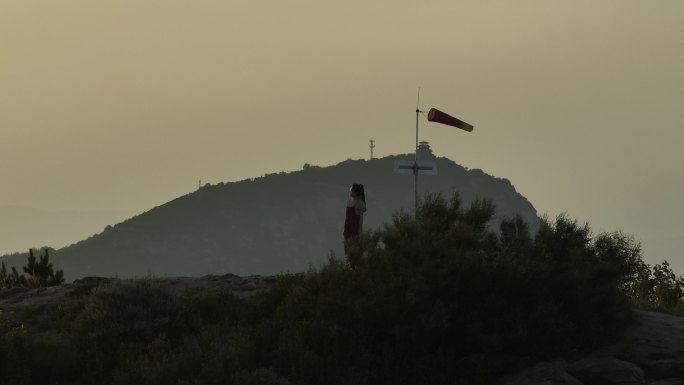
x=435 y=115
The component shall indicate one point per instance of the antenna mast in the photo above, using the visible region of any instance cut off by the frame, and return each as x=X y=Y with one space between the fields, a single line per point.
x=372 y=146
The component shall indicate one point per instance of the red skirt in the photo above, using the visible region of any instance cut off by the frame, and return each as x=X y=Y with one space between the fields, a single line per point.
x=352 y=226
x=352 y=223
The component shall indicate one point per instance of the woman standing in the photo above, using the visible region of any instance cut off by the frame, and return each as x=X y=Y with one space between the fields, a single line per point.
x=353 y=221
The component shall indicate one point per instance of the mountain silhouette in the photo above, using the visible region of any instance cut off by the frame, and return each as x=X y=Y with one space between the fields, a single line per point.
x=284 y=222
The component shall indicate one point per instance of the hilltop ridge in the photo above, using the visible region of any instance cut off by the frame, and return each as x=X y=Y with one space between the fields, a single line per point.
x=281 y=222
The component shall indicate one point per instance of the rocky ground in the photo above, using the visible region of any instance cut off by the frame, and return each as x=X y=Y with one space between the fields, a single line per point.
x=22 y=306
x=651 y=352
x=241 y=286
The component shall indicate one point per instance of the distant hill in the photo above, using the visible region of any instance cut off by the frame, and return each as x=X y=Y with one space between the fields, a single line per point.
x=281 y=222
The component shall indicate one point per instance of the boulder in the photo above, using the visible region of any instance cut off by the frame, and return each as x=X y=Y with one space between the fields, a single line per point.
x=668 y=381
x=606 y=371
x=544 y=373
x=658 y=342
x=92 y=281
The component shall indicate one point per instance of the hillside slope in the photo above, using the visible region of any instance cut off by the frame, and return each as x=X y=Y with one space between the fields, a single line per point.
x=282 y=222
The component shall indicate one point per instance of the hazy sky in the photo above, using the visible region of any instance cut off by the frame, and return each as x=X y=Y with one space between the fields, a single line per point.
x=108 y=108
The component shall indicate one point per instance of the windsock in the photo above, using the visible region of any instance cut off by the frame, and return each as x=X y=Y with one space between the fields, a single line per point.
x=435 y=115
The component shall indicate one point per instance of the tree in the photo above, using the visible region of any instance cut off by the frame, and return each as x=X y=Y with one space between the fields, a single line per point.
x=44 y=273
x=38 y=273
x=624 y=253
x=668 y=289
x=31 y=264
x=4 y=278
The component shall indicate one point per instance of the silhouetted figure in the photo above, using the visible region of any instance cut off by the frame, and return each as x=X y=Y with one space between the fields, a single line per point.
x=353 y=221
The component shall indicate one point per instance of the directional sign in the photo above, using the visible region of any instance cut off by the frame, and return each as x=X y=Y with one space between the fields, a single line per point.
x=407 y=167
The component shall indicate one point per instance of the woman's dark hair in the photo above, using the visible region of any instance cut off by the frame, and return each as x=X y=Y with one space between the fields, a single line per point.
x=358 y=189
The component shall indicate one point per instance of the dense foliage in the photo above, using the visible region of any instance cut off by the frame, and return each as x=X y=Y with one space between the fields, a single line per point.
x=435 y=298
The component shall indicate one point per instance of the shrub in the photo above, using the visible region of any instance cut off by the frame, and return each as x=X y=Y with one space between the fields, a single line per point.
x=668 y=289
x=657 y=288
x=433 y=296
x=125 y=319
x=214 y=305
x=12 y=346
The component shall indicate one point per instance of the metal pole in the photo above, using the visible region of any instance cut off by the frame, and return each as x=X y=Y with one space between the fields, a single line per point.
x=415 y=170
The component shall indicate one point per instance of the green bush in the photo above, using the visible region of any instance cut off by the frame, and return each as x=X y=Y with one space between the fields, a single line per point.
x=52 y=359
x=658 y=288
x=212 y=305
x=432 y=297
x=667 y=288
x=12 y=346
x=124 y=320
x=139 y=332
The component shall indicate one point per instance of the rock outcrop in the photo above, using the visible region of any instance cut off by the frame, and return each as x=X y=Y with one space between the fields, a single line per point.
x=657 y=341
x=606 y=371
x=651 y=352
x=543 y=373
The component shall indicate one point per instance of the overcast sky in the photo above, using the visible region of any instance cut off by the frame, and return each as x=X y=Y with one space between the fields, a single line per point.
x=111 y=107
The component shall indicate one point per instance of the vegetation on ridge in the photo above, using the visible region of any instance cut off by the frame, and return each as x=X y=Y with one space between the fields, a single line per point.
x=39 y=273
x=434 y=298
x=276 y=223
